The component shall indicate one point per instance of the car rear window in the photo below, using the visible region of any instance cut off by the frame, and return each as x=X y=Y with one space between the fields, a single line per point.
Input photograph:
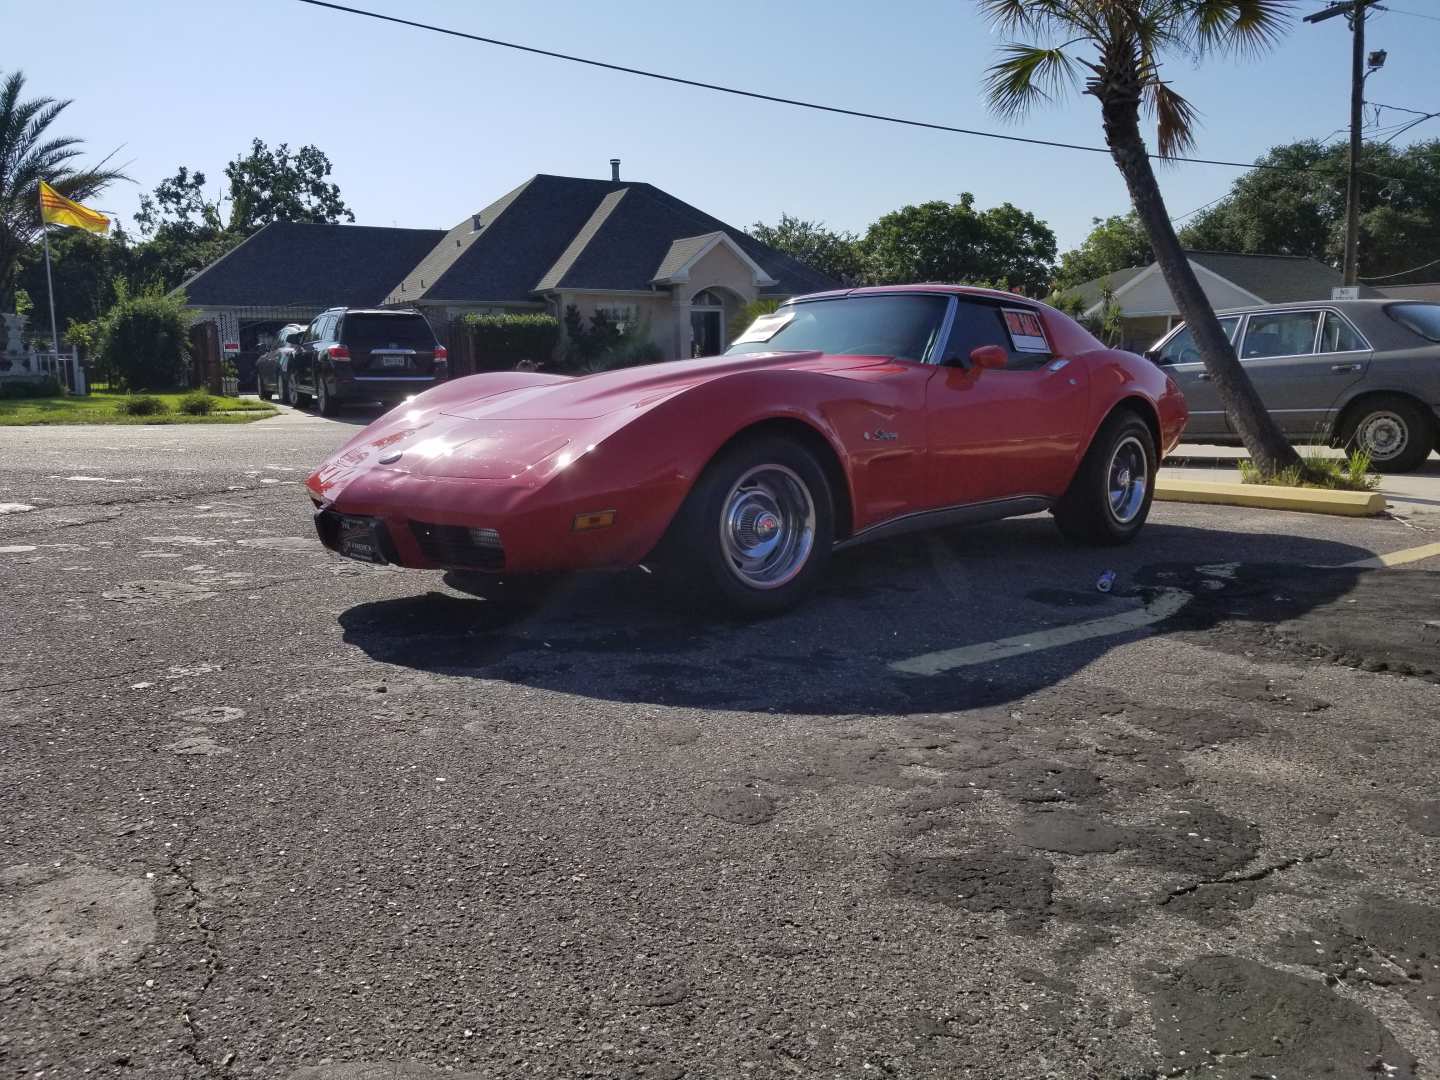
x=380 y=331
x=1424 y=319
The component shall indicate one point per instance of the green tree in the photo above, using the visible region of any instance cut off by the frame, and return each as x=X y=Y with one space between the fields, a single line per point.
x=954 y=242
x=1300 y=209
x=143 y=341
x=29 y=153
x=1128 y=40
x=1113 y=244
x=275 y=185
x=834 y=253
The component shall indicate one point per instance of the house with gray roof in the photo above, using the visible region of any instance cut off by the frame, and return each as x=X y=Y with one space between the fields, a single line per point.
x=1230 y=279
x=629 y=248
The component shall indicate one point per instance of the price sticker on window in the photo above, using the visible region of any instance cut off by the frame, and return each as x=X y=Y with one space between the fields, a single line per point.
x=1027 y=332
x=765 y=327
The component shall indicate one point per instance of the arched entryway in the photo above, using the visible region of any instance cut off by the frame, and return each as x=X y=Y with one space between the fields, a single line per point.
x=707 y=323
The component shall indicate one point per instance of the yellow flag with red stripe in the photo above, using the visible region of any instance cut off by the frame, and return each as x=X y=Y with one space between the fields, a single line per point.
x=58 y=210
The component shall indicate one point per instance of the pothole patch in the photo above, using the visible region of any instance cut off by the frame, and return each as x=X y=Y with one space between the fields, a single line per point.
x=738 y=806
x=984 y=880
x=73 y=925
x=210 y=714
x=197 y=746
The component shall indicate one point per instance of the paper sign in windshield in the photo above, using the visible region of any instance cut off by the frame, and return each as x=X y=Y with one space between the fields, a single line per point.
x=765 y=327
x=1027 y=333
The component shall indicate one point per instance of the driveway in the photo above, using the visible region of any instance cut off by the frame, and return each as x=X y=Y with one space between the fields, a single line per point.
x=274 y=814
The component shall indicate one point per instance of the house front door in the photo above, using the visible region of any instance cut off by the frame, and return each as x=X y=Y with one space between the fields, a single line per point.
x=706 y=331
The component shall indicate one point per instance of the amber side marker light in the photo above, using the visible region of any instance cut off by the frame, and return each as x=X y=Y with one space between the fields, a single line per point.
x=596 y=519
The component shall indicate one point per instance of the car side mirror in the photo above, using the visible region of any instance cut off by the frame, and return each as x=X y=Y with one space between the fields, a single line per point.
x=989 y=356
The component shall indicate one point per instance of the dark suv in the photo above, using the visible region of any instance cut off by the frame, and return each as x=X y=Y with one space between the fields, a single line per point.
x=364 y=355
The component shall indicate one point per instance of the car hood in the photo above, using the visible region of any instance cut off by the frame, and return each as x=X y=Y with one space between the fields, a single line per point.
x=521 y=434
x=598 y=395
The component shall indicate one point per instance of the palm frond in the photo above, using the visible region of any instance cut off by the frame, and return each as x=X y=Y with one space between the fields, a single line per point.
x=1027 y=75
x=1236 y=27
x=1175 y=119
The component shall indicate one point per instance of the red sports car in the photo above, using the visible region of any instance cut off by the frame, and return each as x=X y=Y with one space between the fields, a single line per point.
x=843 y=417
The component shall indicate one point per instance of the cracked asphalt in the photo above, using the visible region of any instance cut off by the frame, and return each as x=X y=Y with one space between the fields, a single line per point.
x=267 y=813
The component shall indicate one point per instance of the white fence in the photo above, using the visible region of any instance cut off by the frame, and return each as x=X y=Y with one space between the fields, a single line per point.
x=64 y=366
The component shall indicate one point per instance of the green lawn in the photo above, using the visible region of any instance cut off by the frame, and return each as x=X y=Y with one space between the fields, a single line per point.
x=103 y=408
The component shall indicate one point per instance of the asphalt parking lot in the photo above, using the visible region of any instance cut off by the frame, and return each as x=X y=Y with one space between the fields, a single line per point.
x=268 y=813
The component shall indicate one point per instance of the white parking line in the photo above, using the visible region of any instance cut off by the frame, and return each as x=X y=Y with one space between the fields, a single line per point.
x=1163 y=605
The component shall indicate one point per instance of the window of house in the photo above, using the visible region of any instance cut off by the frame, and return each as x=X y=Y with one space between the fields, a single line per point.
x=1280 y=333
x=620 y=316
x=707 y=298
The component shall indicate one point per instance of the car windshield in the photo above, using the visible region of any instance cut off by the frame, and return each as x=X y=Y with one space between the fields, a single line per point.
x=1424 y=319
x=903 y=325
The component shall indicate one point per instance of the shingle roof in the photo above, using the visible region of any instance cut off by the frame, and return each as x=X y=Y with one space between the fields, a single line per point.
x=289 y=262
x=565 y=232
x=1091 y=291
x=1276 y=279
x=682 y=251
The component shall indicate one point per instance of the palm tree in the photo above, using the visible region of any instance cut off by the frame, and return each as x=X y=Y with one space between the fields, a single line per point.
x=27 y=156
x=1126 y=40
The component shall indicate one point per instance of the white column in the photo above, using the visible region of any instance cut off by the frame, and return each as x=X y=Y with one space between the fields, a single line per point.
x=680 y=311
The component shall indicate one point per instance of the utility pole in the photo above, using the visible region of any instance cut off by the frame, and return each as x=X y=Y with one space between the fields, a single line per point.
x=1354 y=10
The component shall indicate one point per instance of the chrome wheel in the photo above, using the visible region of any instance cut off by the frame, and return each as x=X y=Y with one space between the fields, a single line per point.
x=1383 y=435
x=1128 y=478
x=767 y=528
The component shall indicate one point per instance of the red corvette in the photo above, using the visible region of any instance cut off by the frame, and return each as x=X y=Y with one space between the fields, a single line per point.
x=841 y=418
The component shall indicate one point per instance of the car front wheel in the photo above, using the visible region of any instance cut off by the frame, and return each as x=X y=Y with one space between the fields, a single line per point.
x=325 y=404
x=756 y=530
x=1109 y=498
x=1394 y=431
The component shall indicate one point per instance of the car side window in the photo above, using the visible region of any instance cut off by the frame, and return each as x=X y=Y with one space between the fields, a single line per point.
x=1181 y=348
x=1280 y=333
x=1337 y=335
x=984 y=324
x=312 y=331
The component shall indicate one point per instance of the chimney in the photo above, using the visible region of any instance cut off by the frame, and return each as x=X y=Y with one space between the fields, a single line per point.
x=614 y=168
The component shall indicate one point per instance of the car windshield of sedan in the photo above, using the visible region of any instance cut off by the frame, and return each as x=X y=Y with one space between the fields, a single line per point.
x=902 y=325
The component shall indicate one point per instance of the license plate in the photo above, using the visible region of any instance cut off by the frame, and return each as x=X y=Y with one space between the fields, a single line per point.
x=358 y=540
x=392 y=361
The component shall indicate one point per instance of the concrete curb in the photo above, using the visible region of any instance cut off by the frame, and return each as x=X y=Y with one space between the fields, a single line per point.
x=1266 y=497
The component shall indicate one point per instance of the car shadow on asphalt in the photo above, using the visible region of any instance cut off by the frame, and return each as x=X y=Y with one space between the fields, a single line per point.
x=619 y=637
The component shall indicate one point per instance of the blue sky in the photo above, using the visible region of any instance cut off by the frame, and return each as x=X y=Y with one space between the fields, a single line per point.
x=423 y=129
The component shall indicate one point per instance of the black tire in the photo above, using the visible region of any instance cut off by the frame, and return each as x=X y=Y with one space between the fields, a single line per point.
x=325 y=405
x=1089 y=513
x=1395 y=431
x=759 y=486
x=260 y=390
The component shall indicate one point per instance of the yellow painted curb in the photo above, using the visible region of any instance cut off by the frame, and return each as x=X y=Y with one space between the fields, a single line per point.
x=1266 y=497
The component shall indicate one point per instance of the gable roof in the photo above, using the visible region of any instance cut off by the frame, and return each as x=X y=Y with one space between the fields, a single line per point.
x=682 y=255
x=565 y=232
x=290 y=262
x=1273 y=279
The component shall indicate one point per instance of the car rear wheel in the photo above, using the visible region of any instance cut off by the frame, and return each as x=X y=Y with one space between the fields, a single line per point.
x=325 y=404
x=1393 y=430
x=1109 y=498
x=756 y=530
x=260 y=388
x=293 y=397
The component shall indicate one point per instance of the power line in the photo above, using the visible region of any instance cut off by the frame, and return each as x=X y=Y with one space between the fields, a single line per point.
x=1412 y=14
x=1403 y=273
x=756 y=95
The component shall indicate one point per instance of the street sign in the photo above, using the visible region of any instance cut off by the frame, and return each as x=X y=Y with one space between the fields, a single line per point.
x=1345 y=292
x=231 y=347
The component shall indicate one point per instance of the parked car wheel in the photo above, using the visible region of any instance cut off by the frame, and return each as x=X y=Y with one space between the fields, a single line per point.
x=325 y=405
x=756 y=530
x=1109 y=498
x=1393 y=430
x=260 y=389
x=293 y=397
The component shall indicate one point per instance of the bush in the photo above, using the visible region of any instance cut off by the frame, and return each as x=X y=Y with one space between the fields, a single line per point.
x=45 y=387
x=630 y=352
x=198 y=403
x=500 y=342
x=143 y=405
x=144 y=341
x=1351 y=473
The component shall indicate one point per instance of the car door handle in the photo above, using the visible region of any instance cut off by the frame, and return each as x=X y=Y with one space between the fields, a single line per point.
x=1344 y=367
x=1203 y=376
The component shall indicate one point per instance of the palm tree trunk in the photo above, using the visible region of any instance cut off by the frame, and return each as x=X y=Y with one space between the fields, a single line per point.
x=1269 y=450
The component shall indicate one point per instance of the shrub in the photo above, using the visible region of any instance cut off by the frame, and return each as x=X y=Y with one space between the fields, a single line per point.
x=143 y=405
x=629 y=352
x=144 y=341
x=503 y=341
x=1351 y=473
x=198 y=403
x=45 y=387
